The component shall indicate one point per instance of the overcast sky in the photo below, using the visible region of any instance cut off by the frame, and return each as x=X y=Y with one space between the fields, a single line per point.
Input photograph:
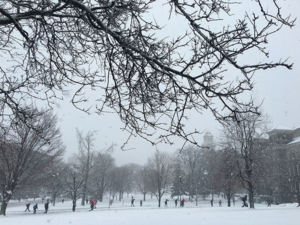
x=279 y=89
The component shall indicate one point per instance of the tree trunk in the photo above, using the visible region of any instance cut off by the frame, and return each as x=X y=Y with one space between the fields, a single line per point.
x=74 y=201
x=159 y=199
x=6 y=199
x=144 y=196
x=54 y=198
x=74 y=205
x=3 y=208
x=101 y=193
x=228 y=200
x=251 y=196
x=84 y=189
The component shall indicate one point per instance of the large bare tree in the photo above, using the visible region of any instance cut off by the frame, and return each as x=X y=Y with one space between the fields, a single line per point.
x=26 y=155
x=110 y=48
x=246 y=138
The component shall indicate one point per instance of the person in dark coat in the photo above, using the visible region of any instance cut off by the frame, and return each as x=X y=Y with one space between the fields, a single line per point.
x=220 y=203
x=182 y=203
x=27 y=207
x=132 y=202
x=166 y=202
x=92 y=205
x=35 y=207
x=176 y=200
x=62 y=201
x=46 y=207
x=141 y=203
x=244 y=199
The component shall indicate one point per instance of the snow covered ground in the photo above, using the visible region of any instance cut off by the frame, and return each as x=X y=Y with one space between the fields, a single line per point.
x=120 y=213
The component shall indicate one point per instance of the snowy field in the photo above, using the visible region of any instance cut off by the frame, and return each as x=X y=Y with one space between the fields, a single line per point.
x=121 y=213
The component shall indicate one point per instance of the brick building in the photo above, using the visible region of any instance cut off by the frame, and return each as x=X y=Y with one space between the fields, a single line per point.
x=283 y=179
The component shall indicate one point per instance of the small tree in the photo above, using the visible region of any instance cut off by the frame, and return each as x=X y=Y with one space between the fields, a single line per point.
x=73 y=179
x=142 y=181
x=160 y=172
x=99 y=175
x=191 y=158
x=86 y=157
x=227 y=174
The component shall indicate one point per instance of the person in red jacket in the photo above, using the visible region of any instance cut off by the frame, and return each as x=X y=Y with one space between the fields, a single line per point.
x=92 y=203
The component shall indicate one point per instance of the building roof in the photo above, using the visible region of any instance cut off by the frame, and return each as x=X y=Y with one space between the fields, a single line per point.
x=294 y=141
x=280 y=128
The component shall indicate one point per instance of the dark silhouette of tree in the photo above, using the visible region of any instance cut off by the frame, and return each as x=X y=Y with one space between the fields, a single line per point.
x=26 y=154
x=246 y=138
x=227 y=174
x=99 y=174
x=160 y=173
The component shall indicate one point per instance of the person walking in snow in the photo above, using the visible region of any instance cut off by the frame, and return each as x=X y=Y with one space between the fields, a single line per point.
x=27 y=207
x=220 y=203
x=176 y=200
x=244 y=199
x=182 y=203
x=132 y=201
x=92 y=205
x=46 y=207
x=141 y=202
x=35 y=207
x=166 y=202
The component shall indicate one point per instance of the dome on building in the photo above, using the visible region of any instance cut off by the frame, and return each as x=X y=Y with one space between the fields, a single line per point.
x=208 y=139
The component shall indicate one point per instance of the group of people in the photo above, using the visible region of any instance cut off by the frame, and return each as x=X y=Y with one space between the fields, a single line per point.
x=93 y=204
x=181 y=202
x=35 y=207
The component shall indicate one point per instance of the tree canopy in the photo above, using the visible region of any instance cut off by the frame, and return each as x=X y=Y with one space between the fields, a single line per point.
x=110 y=50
